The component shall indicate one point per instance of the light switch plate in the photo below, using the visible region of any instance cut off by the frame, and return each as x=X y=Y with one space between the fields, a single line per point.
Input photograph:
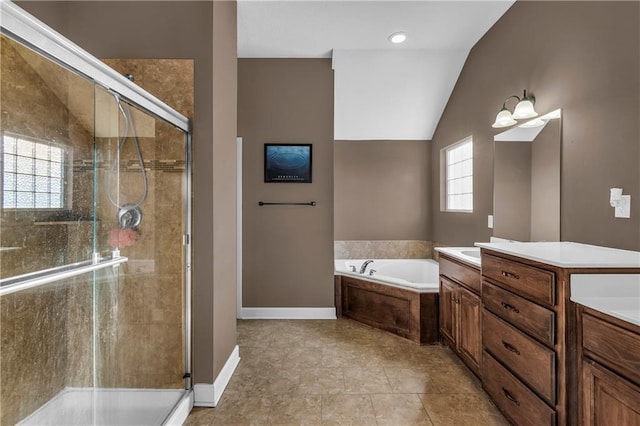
x=490 y=221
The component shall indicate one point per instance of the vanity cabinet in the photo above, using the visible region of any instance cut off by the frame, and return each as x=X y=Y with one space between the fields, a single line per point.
x=460 y=311
x=531 y=358
x=609 y=351
x=521 y=340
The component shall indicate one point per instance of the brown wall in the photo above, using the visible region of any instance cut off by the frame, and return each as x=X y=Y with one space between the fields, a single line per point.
x=287 y=250
x=381 y=190
x=225 y=115
x=183 y=29
x=582 y=57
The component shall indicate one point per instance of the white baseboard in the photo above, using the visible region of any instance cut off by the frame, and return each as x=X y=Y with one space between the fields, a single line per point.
x=208 y=395
x=288 y=313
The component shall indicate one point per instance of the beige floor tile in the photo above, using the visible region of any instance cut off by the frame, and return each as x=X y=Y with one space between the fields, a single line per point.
x=303 y=357
x=347 y=410
x=319 y=381
x=296 y=410
x=409 y=380
x=200 y=417
x=242 y=410
x=461 y=409
x=343 y=372
x=399 y=410
x=365 y=380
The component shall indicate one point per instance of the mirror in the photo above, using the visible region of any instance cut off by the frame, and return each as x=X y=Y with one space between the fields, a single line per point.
x=526 y=180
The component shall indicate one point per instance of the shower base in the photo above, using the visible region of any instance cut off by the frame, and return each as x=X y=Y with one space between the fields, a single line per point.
x=113 y=407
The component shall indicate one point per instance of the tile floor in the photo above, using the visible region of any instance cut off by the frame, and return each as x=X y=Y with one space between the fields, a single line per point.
x=344 y=373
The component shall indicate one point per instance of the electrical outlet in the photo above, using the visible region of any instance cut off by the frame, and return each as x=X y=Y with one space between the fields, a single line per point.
x=490 y=221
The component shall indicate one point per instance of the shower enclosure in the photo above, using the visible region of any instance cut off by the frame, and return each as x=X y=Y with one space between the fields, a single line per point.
x=94 y=239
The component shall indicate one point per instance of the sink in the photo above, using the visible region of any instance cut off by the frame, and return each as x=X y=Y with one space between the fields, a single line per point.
x=471 y=253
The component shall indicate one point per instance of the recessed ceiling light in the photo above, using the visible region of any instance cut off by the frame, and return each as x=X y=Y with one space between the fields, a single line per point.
x=397 y=38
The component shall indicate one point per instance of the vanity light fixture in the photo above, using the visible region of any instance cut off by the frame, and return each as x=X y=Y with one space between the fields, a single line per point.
x=524 y=109
x=397 y=38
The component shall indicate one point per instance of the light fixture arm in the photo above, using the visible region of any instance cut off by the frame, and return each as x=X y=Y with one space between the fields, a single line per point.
x=504 y=104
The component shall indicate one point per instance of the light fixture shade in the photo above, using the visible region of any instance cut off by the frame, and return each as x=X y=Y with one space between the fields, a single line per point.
x=503 y=119
x=524 y=109
x=397 y=38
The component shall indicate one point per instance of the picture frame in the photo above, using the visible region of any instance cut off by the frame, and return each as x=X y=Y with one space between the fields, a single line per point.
x=290 y=163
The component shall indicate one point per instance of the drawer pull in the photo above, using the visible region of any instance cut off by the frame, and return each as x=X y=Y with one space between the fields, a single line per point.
x=511 y=348
x=510 y=397
x=510 y=275
x=511 y=308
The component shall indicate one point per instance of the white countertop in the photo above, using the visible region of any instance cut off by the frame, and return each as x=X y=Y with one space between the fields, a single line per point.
x=569 y=255
x=469 y=255
x=617 y=295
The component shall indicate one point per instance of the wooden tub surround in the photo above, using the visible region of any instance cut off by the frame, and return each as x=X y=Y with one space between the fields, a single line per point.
x=404 y=312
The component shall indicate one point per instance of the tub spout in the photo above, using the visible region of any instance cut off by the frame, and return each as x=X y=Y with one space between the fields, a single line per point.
x=364 y=265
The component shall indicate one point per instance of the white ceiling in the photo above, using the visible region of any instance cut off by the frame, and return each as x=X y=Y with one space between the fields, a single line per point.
x=311 y=29
x=382 y=91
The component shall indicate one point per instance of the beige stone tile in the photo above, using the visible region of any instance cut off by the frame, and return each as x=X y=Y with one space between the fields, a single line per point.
x=296 y=410
x=461 y=409
x=365 y=380
x=319 y=381
x=282 y=381
x=342 y=356
x=354 y=358
x=454 y=380
x=408 y=380
x=399 y=410
x=303 y=357
x=240 y=409
x=347 y=410
x=200 y=416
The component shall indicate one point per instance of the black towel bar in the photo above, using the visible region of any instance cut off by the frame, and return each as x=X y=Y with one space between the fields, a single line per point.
x=310 y=203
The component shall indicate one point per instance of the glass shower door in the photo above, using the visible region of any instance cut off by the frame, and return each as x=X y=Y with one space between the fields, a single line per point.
x=93 y=209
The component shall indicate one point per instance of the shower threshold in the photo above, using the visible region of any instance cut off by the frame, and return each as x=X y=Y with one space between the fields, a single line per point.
x=113 y=407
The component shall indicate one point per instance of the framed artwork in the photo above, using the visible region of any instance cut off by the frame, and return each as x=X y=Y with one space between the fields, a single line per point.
x=287 y=163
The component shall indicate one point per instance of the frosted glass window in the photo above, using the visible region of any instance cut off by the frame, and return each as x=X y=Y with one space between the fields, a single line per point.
x=32 y=174
x=459 y=176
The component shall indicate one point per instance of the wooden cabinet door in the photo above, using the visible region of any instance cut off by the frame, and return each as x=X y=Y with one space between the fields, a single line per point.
x=448 y=311
x=470 y=328
x=607 y=399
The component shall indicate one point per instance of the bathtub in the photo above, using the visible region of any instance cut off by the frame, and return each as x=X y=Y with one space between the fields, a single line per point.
x=416 y=274
x=396 y=295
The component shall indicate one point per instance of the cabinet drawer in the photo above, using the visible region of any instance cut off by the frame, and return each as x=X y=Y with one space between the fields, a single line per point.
x=532 y=362
x=613 y=346
x=528 y=281
x=513 y=398
x=463 y=274
x=527 y=316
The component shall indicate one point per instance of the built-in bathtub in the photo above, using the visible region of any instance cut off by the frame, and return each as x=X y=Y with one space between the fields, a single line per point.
x=396 y=295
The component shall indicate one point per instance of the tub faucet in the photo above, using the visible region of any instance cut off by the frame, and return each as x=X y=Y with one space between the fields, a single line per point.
x=364 y=265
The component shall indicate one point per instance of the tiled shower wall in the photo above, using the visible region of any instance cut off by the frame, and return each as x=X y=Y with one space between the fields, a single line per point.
x=47 y=334
x=383 y=249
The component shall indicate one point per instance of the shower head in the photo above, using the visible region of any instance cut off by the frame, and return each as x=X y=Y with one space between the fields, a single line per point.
x=129 y=216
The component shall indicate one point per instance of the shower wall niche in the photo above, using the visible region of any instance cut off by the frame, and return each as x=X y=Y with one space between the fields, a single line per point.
x=92 y=308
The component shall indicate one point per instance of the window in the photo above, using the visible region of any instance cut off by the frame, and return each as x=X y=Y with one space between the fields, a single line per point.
x=459 y=176
x=32 y=173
